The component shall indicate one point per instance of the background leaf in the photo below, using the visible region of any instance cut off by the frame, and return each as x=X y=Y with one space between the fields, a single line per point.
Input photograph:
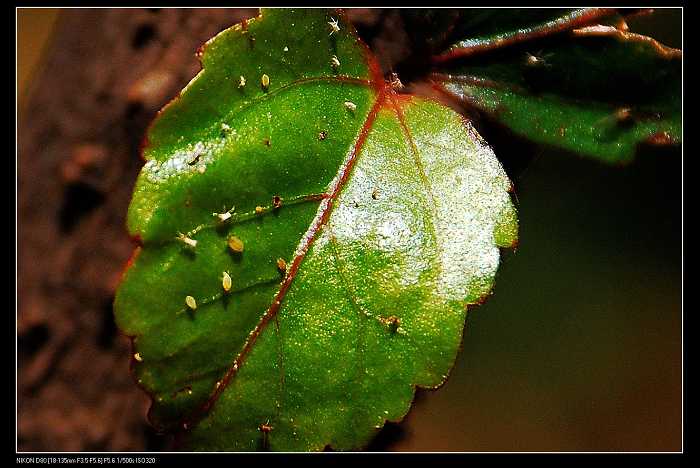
x=598 y=91
x=384 y=214
x=451 y=31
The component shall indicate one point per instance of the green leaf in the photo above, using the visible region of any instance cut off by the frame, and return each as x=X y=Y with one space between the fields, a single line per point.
x=369 y=221
x=598 y=91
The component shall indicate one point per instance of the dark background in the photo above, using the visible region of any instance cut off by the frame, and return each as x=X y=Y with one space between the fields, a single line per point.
x=579 y=349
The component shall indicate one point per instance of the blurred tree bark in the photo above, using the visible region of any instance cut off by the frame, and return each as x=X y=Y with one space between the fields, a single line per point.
x=105 y=75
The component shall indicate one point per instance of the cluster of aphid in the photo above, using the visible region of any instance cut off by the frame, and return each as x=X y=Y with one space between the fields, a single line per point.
x=235 y=245
x=334 y=61
x=265 y=82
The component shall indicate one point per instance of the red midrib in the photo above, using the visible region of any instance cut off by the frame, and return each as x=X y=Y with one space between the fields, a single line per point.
x=382 y=89
x=309 y=238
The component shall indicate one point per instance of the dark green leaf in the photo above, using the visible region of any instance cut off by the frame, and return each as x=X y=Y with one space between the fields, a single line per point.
x=368 y=221
x=475 y=30
x=599 y=91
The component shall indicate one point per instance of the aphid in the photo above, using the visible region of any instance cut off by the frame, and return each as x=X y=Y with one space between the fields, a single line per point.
x=191 y=303
x=333 y=23
x=186 y=240
x=241 y=81
x=534 y=61
x=266 y=427
x=375 y=194
x=396 y=84
x=235 y=244
x=259 y=209
x=226 y=282
x=265 y=81
x=281 y=265
x=393 y=322
x=223 y=217
x=322 y=135
x=623 y=115
x=335 y=63
x=350 y=106
x=138 y=357
x=267 y=142
x=276 y=201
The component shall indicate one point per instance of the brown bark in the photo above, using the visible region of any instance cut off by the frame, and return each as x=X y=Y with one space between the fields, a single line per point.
x=105 y=75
